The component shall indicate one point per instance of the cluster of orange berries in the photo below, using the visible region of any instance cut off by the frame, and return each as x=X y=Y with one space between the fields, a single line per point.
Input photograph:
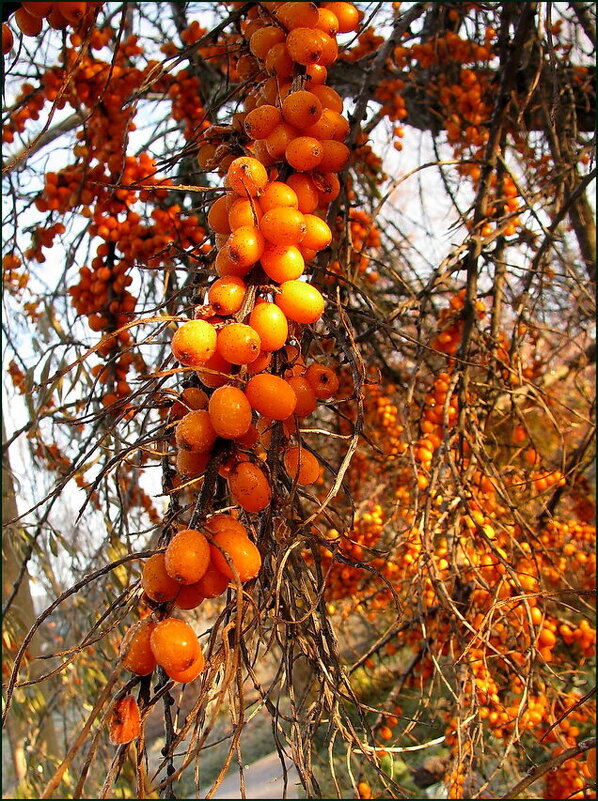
x=11 y=275
x=450 y=323
x=30 y=17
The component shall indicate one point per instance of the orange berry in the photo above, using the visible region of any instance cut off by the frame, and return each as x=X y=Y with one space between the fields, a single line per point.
x=241 y=551
x=301 y=465
x=278 y=62
x=546 y=638
x=335 y=155
x=263 y=39
x=230 y=412
x=226 y=266
x=213 y=583
x=260 y=122
x=245 y=212
x=125 y=719
x=323 y=380
x=278 y=194
x=271 y=396
x=187 y=556
x=364 y=790
x=7 y=39
x=247 y=176
x=136 y=651
x=156 y=582
x=300 y=301
x=218 y=214
x=283 y=225
x=304 y=153
x=262 y=362
x=238 y=343
x=305 y=190
x=216 y=371
x=174 y=645
x=346 y=14
x=191 y=464
x=301 y=108
x=304 y=46
x=249 y=486
x=246 y=244
x=195 y=432
x=329 y=48
x=331 y=125
x=317 y=235
x=329 y=97
x=328 y=187
x=271 y=325
x=73 y=12
x=282 y=263
x=189 y=673
x=280 y=138
x=226 y=295
x=29 y=25
x=327 y=21
x=306 y=397
x=194 y=343
x=222 y=522
x=39 y=10
x=190 y=596
x=298 y=15
x=385 y=733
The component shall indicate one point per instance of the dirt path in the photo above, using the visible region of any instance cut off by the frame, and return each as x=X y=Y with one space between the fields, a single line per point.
x=263 y=779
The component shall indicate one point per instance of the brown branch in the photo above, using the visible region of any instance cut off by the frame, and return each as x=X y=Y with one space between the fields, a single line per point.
x=554 y=762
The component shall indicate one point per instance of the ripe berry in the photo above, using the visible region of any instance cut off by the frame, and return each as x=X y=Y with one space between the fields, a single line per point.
x=238 y=343
x=195 y=432
x=249 y=486
x=135 y=647
x=277 y=194
x=230 y=412
x=156 y=582
x=271 y=396
x=283 y=225
x=187 y=556
x=241 y=551
x=301 y=465
x=302 y=109
x=174 y=645
x=304 y=153
x=194 y=342
x=300 y=301
x=247 y=176
x=323 y=380
x=125 y=720
x=271 y=325
x=226 y=294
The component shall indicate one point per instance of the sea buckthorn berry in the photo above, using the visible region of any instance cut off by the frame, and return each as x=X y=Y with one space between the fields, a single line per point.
x=190 y=464
x=7 y=39
x=242 y=552
x=238 y=343
x=283 y=225
x=315 y=74
x=247 y=176
x=323 y=380
x=317 y=235
x=194 y=343
x=300 y=301
x=329 y=49
x=263 y=362
x=298 y=15
x=301 y=465
x=249 y=439
x=245 y=212
x=327 y=21
x=331 y=125
x=216 y=371
x=249 y=486
x=260 y=122
x=278 y=62
x=259 y=149
x=264 y=39
x=29 y=25
x=282 y=262
x=280 y=138
x=306 y=397
x=271 y=325
x=245 y=245
x=73 y=12
x=278 y=194
x=226 y=295
x=218 y=214
x=335 y=155
x=56 y=19
x=271 y=396
x=305 y=46
x=125 y=720
x=346 y=14
x=230 y=412
x=192 y=398
x=136 y=651
x=39 y=10
x=190 y=673
x=190 y=597
x=328 y=187
x=221 y=522
x=329 y=97
x=224 y=265
x=195 y=432
x=156 y=582
x=301 y=109
x=175 y=645
x=213 y=583
x=304 y=153
x=305 y=190
x=187 y=556
x=205 y=157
